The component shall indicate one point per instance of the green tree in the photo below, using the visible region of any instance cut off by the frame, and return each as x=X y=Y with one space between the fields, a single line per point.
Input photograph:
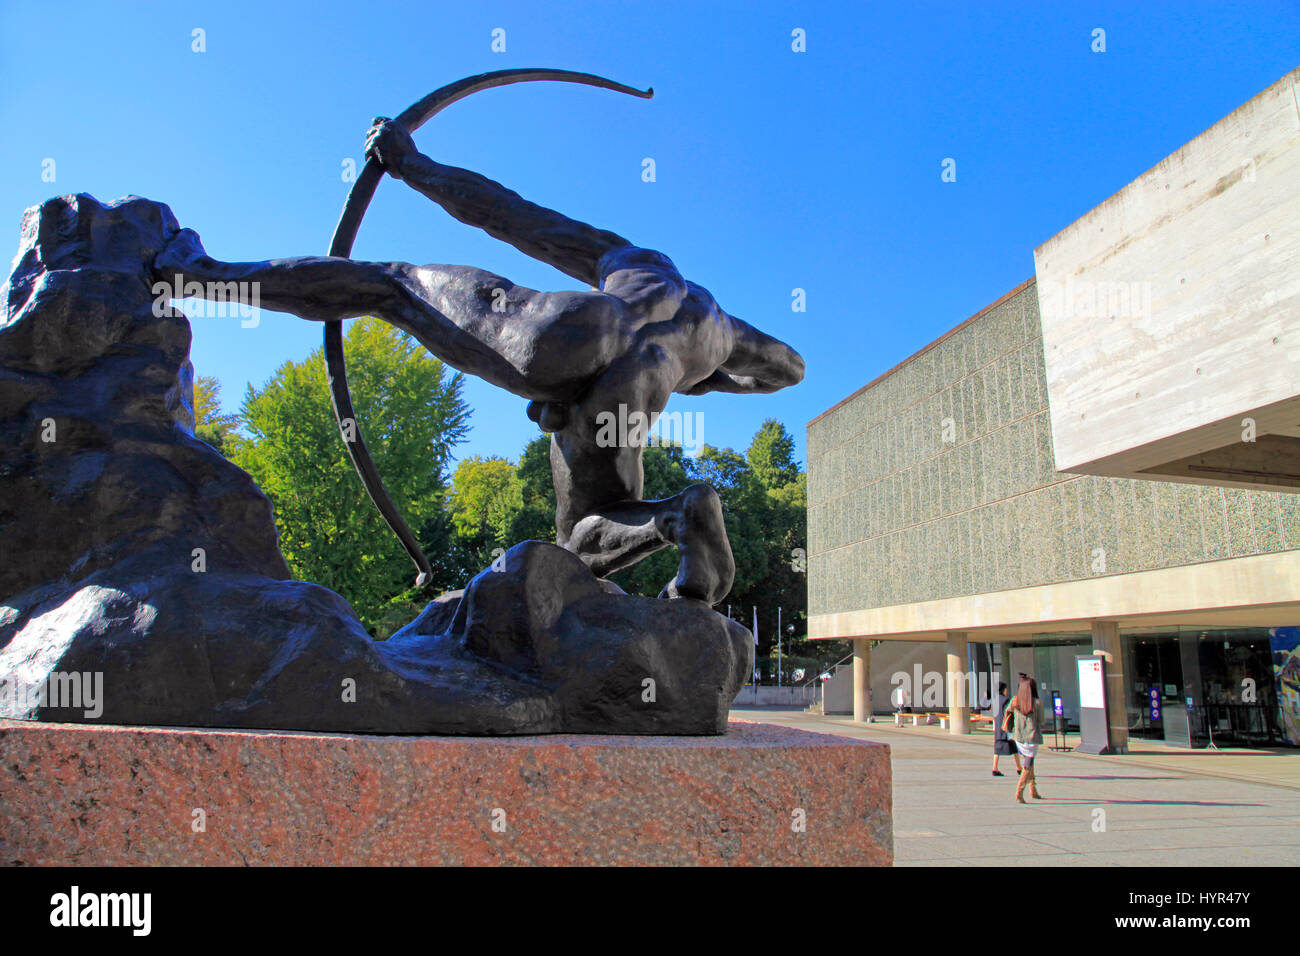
x=411 y=415
x=210 y=424
x=783 y=520
x=535 y=520
x=742 y=508
x=485 y=498
x=771 y=455
x=767 y=521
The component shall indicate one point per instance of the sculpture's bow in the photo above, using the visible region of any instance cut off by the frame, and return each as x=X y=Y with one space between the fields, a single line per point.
x=345 y=234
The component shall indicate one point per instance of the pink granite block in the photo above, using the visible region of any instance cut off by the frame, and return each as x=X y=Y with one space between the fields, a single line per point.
x=761 y=794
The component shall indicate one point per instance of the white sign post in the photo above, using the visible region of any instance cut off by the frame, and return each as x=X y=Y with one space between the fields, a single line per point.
x=1094 y=725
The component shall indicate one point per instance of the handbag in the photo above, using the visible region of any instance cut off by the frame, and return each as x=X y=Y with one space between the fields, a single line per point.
x=1007 y=720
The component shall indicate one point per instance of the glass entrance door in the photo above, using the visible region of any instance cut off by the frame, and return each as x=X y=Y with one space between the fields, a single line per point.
x=1156 y=696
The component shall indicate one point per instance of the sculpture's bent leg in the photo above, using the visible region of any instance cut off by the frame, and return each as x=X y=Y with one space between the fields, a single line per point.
x=621 y=534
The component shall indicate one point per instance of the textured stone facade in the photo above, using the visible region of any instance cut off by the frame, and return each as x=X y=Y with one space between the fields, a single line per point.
x=902 y=509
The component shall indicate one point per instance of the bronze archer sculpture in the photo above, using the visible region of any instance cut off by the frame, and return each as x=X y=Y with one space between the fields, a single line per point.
x=646 y=333
x=151 y=561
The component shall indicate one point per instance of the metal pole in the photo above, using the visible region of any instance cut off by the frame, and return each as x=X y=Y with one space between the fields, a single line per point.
x=778 y=647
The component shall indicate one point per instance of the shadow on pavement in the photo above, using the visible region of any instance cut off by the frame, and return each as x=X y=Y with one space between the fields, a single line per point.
x=1153 y=803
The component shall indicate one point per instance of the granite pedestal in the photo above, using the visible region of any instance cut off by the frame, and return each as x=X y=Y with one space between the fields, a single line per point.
x=761 y=794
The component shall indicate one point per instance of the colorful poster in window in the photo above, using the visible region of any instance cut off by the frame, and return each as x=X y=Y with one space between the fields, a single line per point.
x=1285 y=644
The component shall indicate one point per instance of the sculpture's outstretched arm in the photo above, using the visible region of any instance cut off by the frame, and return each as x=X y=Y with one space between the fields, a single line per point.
x=758 y=363
x=573 y=247
x=447 y=308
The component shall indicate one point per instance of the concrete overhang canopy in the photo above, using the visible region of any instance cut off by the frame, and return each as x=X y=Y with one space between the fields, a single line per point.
x=1171 y=312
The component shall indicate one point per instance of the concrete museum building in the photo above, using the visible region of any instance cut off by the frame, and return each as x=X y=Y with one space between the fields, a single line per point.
x=1105 y=461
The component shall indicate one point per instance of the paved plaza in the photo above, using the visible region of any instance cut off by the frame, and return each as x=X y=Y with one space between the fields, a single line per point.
x=1154 y=807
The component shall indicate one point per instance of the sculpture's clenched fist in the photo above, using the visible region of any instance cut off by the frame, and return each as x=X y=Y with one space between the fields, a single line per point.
x=389 y=143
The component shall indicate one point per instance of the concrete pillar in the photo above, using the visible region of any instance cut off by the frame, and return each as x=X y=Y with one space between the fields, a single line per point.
x=1189 y=653
x=861 y=678
x=1106 y=642
x=958 y=683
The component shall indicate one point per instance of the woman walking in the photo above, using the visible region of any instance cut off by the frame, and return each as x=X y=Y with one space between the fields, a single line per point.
x=1003 y=746
x=1024 y=720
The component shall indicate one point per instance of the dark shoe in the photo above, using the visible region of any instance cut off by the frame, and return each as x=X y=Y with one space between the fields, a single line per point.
x=998 y=773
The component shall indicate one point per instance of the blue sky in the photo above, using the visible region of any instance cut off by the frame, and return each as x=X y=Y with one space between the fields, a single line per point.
x=775 y=169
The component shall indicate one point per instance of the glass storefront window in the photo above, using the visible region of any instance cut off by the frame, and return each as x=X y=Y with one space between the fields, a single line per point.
x=1213 y=685
x=1227 y=674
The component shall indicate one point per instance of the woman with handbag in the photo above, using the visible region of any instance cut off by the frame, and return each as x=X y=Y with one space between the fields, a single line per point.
x=1003 y=746
x=1024 y=719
